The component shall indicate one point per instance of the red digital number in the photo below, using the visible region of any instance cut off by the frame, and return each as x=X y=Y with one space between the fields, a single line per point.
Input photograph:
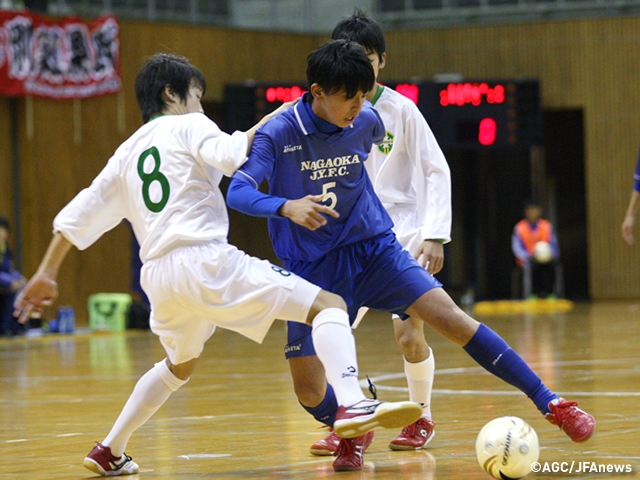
x=487 y=131
x=282 y=94
x=471 y=94
x=409 y=90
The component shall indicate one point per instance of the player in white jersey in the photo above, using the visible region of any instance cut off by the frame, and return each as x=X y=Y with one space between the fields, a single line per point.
x=411 y=177
x=164 y=181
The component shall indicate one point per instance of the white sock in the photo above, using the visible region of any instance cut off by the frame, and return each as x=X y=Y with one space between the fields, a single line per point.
x=336 y=349
x=149 y=394
x=420 y=380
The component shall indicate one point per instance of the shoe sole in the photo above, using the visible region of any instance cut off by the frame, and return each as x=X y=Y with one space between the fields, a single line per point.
x=320 y=452
x=92 y=465
x=399 y=446
x=347 y=469
x=387 y=415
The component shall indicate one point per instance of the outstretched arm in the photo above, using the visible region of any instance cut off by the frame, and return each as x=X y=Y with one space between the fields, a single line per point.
x=42 y=289
x=629 y=218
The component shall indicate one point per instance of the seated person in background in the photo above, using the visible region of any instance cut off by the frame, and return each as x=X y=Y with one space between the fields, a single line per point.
x=11 y=281
x=535 y=247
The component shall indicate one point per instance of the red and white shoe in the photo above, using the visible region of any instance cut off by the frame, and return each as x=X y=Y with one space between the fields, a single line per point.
x=326 y=446
x=368 y=414
x=350 y=452
x=414 y=436
x=101 y=461
x=576 y=423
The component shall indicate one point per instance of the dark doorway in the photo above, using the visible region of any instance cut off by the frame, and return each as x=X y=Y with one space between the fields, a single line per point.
x=489 y=188
x=564 y=162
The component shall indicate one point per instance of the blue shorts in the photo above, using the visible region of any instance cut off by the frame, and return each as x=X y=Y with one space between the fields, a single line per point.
x=377 y=273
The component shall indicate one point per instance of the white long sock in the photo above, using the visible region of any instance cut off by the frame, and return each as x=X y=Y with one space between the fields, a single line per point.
x=149 y=394
x=420 y=381
x=336 y=349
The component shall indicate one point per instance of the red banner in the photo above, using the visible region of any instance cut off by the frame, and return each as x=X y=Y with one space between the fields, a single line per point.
x=62 y=59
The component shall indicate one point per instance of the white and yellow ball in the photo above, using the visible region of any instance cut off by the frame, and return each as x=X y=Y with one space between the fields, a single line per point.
x=506 y=447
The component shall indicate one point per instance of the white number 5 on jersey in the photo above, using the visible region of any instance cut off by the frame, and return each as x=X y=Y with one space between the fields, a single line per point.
x=328 y=196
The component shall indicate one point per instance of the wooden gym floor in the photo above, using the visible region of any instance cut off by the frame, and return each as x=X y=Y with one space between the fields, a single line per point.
x=237 y=418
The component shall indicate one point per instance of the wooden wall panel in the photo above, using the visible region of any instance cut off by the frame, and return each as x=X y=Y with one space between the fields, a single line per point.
x=588 y=64
x=223 y=55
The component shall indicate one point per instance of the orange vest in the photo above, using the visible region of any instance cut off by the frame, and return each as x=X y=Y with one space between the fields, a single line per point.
x=530 y=236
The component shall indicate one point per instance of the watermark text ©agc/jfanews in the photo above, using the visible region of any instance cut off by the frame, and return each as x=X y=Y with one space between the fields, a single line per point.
x=580 y=467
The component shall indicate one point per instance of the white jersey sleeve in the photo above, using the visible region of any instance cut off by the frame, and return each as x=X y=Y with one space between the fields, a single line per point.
x=432 y=178
x=209 y=144
x=409 y=171
x=164 y=181
x=94 y=211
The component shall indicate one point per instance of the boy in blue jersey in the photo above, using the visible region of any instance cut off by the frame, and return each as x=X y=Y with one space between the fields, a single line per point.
x=328 y=226
x=632 y=208
x=410 y=175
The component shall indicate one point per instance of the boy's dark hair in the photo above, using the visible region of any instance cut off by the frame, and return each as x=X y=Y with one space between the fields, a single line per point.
x=361 y=29
x=340 y=64
x=162 y=70
x=4 y=222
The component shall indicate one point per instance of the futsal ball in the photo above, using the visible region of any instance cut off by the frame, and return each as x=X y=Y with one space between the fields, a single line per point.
x=506 y=447
x=542 y=252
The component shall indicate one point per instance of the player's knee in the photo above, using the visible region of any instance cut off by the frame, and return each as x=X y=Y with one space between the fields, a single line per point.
x=183 y=371
x=310 y=388
x=309 y=379
x=326 y=300
x=412 y=345
x=310 y=394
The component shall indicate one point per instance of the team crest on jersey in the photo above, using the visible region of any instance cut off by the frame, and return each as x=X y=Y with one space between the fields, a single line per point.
x=387 y=144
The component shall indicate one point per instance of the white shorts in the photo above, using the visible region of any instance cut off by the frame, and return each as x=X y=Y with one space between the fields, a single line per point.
x=193 y=289
x=407 y=229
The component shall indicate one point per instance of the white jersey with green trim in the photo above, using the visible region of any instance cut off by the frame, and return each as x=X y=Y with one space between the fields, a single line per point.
x=164 y=181
x=408 y=170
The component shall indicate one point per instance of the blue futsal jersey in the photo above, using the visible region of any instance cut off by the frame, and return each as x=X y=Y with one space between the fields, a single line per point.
x=296 y=155
x=356 y=256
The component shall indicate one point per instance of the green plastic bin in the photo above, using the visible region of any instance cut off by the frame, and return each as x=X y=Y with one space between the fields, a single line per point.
x=108 y=311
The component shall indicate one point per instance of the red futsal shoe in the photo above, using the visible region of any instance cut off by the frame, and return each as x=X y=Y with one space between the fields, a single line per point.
x=350 y=451
x=576 y=423
x=414 y=436
x=101 y=461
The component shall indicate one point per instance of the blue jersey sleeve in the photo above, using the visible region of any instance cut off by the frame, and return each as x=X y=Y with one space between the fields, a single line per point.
x=244 y=194
x=379 y=131
x=636 y=177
